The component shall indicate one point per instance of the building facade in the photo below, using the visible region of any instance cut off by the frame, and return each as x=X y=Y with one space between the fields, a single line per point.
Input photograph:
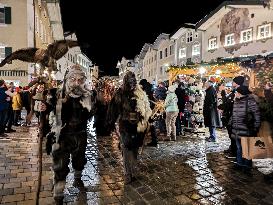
x=23 y=24
x=188 y=45
x=165 y=56
x=149 y=63
x=126 y=65
x=237 y=29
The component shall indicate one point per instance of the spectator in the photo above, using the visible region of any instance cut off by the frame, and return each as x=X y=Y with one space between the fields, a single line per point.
x=211 y=116
x=16 y=106
x=244 y=107
x=3 y=107
x=171 y=112
x=161 y=91
x=10 y=118
x=227 y=108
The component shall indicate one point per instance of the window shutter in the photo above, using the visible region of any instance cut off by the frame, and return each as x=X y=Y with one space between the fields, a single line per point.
x=8 y=15
x=8 y=51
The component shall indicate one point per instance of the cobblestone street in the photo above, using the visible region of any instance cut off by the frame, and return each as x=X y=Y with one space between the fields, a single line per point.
x=189 y=171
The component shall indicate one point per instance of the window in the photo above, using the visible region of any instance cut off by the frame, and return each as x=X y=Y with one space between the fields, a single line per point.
x=196 y=49
x=5 y=15
x=212 y=44
x=171 y=49
x=182 y=53
x=155 y=57
x=246 y=35
x=166 y=52
x=161 y=70
x=160 y=54
x=2 y=53
x=229 y=40
x=2 y=15
x=264 y=31
x=189 y=36
x=196 y=35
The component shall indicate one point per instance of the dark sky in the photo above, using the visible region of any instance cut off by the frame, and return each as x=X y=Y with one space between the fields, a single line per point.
x=121 y=29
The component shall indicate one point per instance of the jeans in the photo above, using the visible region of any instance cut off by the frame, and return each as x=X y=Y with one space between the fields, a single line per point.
x=240 y=160
x=212 y=133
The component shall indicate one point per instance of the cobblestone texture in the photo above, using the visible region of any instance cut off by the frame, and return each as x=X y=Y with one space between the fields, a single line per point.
x=188 y=171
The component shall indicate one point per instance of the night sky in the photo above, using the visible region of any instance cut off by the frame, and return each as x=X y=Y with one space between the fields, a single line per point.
x=113 y=31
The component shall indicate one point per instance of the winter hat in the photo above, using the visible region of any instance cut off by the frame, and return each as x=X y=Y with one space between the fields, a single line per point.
x=243 y=90
x=172 y=88
x=239 y=80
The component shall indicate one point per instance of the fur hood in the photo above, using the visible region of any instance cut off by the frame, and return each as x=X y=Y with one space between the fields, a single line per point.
x=143 y=108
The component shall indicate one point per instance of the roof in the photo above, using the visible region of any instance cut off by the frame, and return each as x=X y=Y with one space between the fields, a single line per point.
x=221 y=10
x=162 y=36
x=182 y=29
x=144 y=50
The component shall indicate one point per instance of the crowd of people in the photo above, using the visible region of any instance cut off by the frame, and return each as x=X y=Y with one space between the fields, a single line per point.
x=136 y=109
x=12 y=101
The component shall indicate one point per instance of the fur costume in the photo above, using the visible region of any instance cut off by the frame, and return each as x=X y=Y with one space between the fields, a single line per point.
x=70 y=109
x=131 y=106
x=143 y=108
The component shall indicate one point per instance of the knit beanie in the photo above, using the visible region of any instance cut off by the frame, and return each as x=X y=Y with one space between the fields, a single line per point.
x=239 y=80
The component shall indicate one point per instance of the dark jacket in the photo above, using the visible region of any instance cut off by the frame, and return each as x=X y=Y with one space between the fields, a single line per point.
x=180 y=93
x=211 y=116
x=239 y=116
x=161 y=93
x=26 y=99
x=227 y=107
x=3 y=102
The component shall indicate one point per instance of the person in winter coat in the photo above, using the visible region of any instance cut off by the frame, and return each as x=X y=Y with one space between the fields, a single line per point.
x=171 y=112
x=180 y=93
x=160 y=92
x=10 y=115
x=210 y=112
x=3 y=107
x=17 y=106
x=227 y=107
x=245 y=122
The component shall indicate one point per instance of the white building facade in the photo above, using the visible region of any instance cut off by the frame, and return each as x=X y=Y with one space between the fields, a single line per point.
x=149 y=63
x=165 y=56
x=237 y=29
x=126 y=65
x=188 y=45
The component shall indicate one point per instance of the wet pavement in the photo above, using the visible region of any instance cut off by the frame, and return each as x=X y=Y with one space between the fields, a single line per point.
x=188 y=171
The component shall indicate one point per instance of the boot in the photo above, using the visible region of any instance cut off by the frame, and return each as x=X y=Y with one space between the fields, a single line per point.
x=58 y=192
x=78 y=181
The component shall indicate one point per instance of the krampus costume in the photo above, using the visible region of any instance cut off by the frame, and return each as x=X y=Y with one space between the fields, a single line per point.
x=69 y=123
x=131 y=106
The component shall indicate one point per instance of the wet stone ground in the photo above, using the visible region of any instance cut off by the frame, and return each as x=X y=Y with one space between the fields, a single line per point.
x=188 y=171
